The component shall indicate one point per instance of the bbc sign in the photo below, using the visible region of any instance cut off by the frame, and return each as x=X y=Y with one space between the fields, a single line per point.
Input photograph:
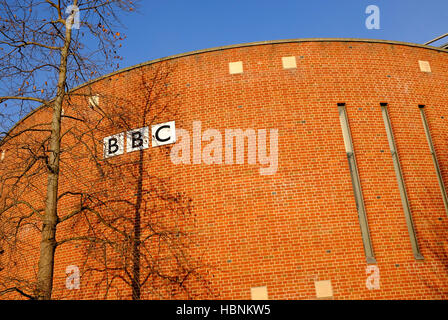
x=138 y=139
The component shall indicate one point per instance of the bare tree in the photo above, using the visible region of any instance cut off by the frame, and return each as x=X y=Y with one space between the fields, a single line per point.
x=131 y=228
x=41 y=58
x=153 y=255
x=136 y=229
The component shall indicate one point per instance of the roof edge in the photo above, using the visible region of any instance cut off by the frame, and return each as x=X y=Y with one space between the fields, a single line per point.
x=258 y=43
x=232 y=46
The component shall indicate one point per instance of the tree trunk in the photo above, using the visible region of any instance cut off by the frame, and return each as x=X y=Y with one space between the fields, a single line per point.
x=50 y=220
x=136 y=285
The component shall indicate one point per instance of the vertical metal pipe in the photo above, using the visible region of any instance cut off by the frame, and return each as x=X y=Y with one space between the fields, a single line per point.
x=401 y=185
x=434 y=157
x=365 y=233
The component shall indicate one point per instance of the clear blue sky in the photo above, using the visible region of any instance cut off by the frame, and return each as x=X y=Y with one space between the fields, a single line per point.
x=166 y=27
x=163 y=28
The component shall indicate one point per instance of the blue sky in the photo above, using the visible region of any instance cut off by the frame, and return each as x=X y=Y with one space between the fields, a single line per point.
x=163 y=28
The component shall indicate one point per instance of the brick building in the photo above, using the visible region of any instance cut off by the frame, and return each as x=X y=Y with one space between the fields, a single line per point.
x=353 y=207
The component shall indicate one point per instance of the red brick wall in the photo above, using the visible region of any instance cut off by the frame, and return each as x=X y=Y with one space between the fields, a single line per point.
x=299 y=225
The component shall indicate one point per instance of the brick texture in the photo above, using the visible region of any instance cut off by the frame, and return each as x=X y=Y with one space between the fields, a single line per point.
x=300 y=225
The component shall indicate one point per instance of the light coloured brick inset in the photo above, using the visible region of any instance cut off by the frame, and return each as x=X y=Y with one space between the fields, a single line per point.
x=94 y=101
x=236 y=67
x=424 y=66
x=289 y=62
x=259 y=293
x=324 y=290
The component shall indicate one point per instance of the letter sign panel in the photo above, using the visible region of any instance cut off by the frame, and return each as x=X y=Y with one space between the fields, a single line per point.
x=164 y=133
x=113 y=145
x=137 y=139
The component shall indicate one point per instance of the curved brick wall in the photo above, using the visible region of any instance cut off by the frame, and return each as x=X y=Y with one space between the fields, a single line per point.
x=291 y=229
